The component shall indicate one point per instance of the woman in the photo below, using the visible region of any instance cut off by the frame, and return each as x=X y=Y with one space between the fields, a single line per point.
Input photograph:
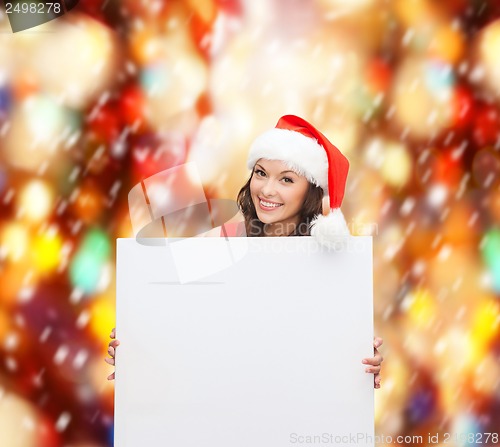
x=293 y=167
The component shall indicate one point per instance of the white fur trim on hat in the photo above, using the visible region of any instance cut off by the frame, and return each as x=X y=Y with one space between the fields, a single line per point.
x=302 y=154
x=331 y=230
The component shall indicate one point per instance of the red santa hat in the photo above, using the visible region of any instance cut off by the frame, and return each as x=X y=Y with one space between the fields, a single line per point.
x=308 y=152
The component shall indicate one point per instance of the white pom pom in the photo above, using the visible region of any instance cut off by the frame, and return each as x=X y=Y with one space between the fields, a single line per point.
x=331 y=230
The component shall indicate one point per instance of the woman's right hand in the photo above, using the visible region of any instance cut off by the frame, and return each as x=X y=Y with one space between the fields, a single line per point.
x=111 y=351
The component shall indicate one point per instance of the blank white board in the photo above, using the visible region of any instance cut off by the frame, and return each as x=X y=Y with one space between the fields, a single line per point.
x=262 y=350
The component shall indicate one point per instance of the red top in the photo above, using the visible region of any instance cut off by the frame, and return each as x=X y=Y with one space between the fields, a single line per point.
x=233 y=229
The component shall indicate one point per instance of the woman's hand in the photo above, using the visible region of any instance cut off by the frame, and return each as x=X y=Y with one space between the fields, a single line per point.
x=111 y=351
x=375 y=362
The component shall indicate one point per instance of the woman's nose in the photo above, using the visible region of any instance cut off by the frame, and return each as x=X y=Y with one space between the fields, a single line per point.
x=268 y=189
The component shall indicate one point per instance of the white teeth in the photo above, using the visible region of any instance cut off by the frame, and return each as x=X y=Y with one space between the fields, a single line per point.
x=270 y=205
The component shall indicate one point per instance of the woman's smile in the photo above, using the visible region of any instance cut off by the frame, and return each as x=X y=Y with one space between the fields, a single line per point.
x=267 y=205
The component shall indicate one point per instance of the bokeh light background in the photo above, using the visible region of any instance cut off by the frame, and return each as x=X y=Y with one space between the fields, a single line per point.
x=116 y=91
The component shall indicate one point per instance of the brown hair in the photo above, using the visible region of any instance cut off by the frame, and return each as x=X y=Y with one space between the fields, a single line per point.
x=311 y=207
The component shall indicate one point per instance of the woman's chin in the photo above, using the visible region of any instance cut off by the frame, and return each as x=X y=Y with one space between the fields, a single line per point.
x=265 y=219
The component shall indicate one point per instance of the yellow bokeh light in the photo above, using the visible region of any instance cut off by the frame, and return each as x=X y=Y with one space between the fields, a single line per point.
x=35 y=201
x=46 y=252
x=204 y=8
x=394 y=390
x=447 y=44
x=90 y=71
x=102 y=316
x=485 y=327
x=412 y=12
x=14 y=241
x=422 y=95
x=396 y=165
x=39 y=125
x=489 y=48
x=422 y=308
x=486 y=374
x=18 y=419
x=145 y=46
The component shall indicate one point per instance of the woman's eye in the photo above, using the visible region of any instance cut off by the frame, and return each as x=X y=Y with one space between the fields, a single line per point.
x=260 y=172
x=288 y=180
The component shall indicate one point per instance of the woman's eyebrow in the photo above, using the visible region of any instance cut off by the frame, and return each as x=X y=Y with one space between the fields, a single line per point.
x=282 y=172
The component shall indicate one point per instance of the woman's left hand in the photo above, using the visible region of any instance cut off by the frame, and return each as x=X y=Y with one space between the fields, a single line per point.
x=375 y=362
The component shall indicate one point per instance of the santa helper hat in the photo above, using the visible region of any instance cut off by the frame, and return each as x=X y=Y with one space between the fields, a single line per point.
x=308 y=152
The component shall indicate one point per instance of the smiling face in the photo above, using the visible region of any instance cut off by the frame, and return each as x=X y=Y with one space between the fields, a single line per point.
x=278 y=195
